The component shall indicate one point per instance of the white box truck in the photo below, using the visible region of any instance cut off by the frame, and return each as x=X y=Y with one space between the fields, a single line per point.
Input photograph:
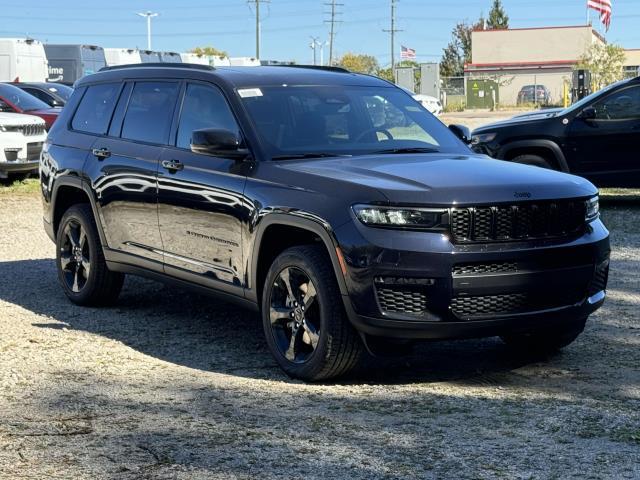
x=22 y=60
x=121 y=56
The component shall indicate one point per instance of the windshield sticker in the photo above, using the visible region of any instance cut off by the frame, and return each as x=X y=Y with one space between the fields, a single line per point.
x=250 y=92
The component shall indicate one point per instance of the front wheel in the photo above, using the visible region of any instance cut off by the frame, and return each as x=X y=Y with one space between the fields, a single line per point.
x=82 y=270
x=545 y=341
x=304 y=321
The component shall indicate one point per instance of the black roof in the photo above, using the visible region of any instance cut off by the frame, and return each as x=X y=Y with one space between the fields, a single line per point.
x=237 y=77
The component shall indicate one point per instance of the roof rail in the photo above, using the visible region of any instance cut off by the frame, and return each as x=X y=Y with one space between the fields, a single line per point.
x=315 y=67
x=193 y=66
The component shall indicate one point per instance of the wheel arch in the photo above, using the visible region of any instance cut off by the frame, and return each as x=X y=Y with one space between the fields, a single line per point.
x=68 y=192
x=548 y=149
x=278 y=232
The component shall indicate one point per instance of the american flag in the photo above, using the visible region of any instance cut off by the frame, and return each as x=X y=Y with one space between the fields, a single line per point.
x=406 y=52
x=604 y=8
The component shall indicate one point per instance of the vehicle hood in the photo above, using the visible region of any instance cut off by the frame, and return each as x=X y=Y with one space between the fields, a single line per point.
x=535 y=113
x=434 y=179
x=520 y=119
x=19 y=119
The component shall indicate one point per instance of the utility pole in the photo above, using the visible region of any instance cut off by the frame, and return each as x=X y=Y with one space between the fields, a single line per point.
x=392 y=32
x=257 y=4
x=332 y=22
x=313 y=45
x=149 y=16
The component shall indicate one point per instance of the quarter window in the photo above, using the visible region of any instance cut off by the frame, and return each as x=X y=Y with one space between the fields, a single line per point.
x=203 y=107
x=150 y=110
x=94 y=113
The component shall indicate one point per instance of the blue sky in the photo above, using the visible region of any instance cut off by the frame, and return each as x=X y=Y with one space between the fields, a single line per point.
x=287 y=24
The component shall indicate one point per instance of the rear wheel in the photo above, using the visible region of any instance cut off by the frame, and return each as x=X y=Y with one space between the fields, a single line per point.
x=82 y=270
x=534 y=160
x=547 y=340
x=304 y=321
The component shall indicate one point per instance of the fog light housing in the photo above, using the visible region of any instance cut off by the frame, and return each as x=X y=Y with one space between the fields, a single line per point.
x=11 y=154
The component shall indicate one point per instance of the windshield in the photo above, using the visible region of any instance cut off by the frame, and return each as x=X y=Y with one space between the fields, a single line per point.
x=343 y=120
x=21 y=99
x=61 y=90
x=580 y=103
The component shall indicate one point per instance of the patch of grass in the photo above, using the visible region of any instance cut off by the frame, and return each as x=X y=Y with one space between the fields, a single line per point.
x=28 y=186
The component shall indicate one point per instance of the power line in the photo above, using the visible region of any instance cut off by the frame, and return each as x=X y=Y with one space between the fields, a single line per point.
x=332 y=21
x=392 y=33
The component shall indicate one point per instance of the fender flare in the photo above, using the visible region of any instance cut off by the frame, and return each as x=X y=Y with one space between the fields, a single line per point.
x=316 y=226
x=541 y=143
x=79 y=184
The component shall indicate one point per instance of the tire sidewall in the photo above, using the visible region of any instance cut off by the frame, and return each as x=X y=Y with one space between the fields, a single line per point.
x=315 y=363
x=79 y=215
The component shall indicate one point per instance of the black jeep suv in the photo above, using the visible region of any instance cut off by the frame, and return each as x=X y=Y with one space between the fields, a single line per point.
x=596 y=138
x=331 y=202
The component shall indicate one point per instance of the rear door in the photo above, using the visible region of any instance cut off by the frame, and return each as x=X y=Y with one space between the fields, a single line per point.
x=605 y=149
x=124 y=170
x=201 y=206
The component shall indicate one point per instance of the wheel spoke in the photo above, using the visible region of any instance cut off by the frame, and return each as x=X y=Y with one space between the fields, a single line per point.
x=65 y=260
x=76 y=287
x=86 y=267
x=279 y=313
x=310 y=293
x=311 y=334
x=73 y=235
x=290 y=354
x=83 y=237
x=286 y=278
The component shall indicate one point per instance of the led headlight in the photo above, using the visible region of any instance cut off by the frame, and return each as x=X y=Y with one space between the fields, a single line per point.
x=407 y=218
x=483 y=138
x=593 y=209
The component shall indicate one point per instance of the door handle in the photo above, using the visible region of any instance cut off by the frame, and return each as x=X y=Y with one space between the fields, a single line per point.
x=101 y=153
x=172 y=165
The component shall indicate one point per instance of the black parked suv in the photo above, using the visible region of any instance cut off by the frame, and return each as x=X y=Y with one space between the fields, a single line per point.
x=331 y=202
x=596 y=138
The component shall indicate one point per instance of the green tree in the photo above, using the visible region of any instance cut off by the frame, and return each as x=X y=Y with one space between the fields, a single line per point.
x=458 y=51
x=498 y=18
x=212 y=51
x=359 y=63
x=605 y=62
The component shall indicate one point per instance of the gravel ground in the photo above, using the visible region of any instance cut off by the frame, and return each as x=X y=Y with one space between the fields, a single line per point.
x=169 y=384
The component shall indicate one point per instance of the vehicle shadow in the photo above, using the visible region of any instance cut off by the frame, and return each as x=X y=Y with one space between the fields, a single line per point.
x=203 y=333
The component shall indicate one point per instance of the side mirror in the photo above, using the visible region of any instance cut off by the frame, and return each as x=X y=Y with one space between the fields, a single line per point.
x=462 y=132
x=217 y=143
x=588 y=113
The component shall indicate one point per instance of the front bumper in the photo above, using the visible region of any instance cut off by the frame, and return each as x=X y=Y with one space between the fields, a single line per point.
x=420 y=285
x=19 y=166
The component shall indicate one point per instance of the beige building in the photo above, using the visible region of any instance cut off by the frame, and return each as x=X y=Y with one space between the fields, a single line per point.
x=632 y=64
x=533 y=56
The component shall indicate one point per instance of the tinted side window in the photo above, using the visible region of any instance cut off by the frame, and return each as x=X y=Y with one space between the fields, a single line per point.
x=150 y=110
x=203 y=107
x=39 y=94
x=94 y=113
x=622 y=105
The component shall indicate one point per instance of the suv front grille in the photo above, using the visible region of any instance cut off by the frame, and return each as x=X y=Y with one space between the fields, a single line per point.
x=517 y=222
x=489 y=304
x=407 y=300
x=28 y=130
x=484 y=268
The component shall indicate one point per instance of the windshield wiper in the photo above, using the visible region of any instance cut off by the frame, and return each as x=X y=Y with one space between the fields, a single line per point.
x=391 y=151
x=297 y=156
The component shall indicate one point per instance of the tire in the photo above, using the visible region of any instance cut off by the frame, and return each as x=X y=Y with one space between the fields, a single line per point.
x=545 y=341
x=82 y=270
x=534 y=160
x=309 y=335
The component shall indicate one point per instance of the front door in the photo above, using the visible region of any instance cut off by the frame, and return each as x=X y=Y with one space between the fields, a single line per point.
x=201 y=207
x=605 y=148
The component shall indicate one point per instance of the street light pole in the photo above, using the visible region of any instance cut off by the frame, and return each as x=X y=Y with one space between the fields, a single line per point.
x=149 y=16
